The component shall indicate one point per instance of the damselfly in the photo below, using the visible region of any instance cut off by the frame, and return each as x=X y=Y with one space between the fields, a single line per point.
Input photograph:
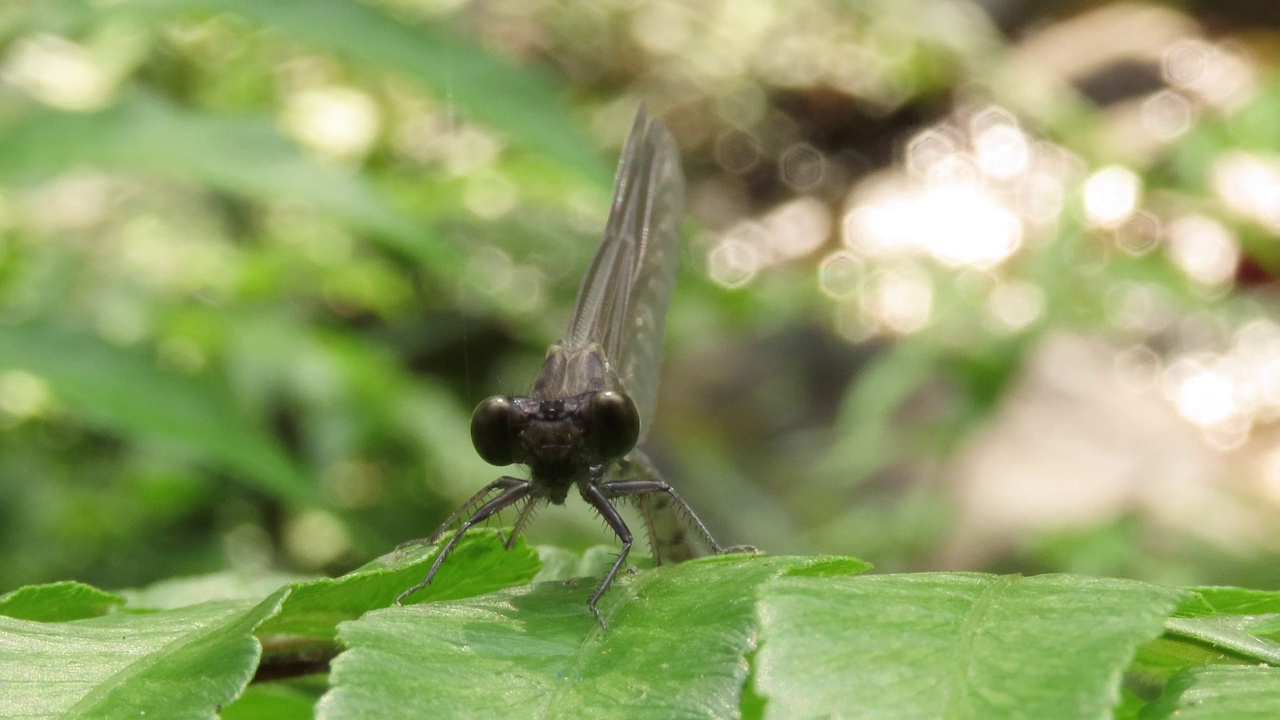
x=593 y=400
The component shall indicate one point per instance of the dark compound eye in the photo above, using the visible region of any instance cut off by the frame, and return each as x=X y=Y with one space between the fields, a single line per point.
x=493 y=430
x=612 y=424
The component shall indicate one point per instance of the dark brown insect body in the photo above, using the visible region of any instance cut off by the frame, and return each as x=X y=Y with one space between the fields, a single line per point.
x=593 y=399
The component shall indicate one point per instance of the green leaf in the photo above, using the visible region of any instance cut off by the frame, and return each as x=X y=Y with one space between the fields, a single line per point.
x=561 y=564
x=270 y=702
x=242 y=155
x=183 y=663
x=1240 y=601
x=301 y=638
x=479 y=564
x=228 y=585
x=123 y=654
x=676 y=647
x=1221 y=692
x=123 y=391
x=1212 y=621
x=1233 y=633
x=525 y=102
x=1130 y=706
x=944 y=645
x=1212 y=625
x=58 y=602
x=1160 y=659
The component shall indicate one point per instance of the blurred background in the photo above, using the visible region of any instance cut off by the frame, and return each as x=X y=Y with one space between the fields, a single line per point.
x=974 y=285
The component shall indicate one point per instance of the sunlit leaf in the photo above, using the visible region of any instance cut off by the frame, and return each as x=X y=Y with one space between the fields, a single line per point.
x=1234 y=633
x=676 y=646
x=1226 y=692
x=1235 y=600
x=178 y=663
x=480 y=564
x=59 y=601
x=950 y=645
x=244 y=155
x=526 y=103
x=230 y=585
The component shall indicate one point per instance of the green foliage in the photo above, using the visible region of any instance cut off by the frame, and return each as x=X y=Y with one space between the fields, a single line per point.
x=942 y=645
x=675 y=647
x=1244 y=693
x=58 y=602
x=520 y=100
x=233 y=360
x=103 y=382
x=731 y=636
x=185 y=662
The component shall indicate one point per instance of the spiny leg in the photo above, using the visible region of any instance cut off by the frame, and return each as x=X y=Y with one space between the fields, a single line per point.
x=620 y=488
x=503 y=483
x=591 y=493
x=522 y=519
x=651 y=529
x=668 y=536
x=516 y=491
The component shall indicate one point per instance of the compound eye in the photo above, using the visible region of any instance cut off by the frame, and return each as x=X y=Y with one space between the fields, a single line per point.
x=612 y=424
x=493 y=430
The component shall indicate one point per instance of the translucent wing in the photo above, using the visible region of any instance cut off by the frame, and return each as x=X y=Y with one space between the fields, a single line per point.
x=622 y=303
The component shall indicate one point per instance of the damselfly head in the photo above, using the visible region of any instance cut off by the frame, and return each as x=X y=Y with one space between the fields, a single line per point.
x=553 y=433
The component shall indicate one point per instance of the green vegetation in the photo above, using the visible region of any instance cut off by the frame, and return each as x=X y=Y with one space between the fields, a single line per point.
x=948 y=301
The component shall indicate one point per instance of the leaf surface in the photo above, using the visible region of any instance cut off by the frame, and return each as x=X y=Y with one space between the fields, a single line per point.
x=952 y=645
x=676 y=646
x=183 y=663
